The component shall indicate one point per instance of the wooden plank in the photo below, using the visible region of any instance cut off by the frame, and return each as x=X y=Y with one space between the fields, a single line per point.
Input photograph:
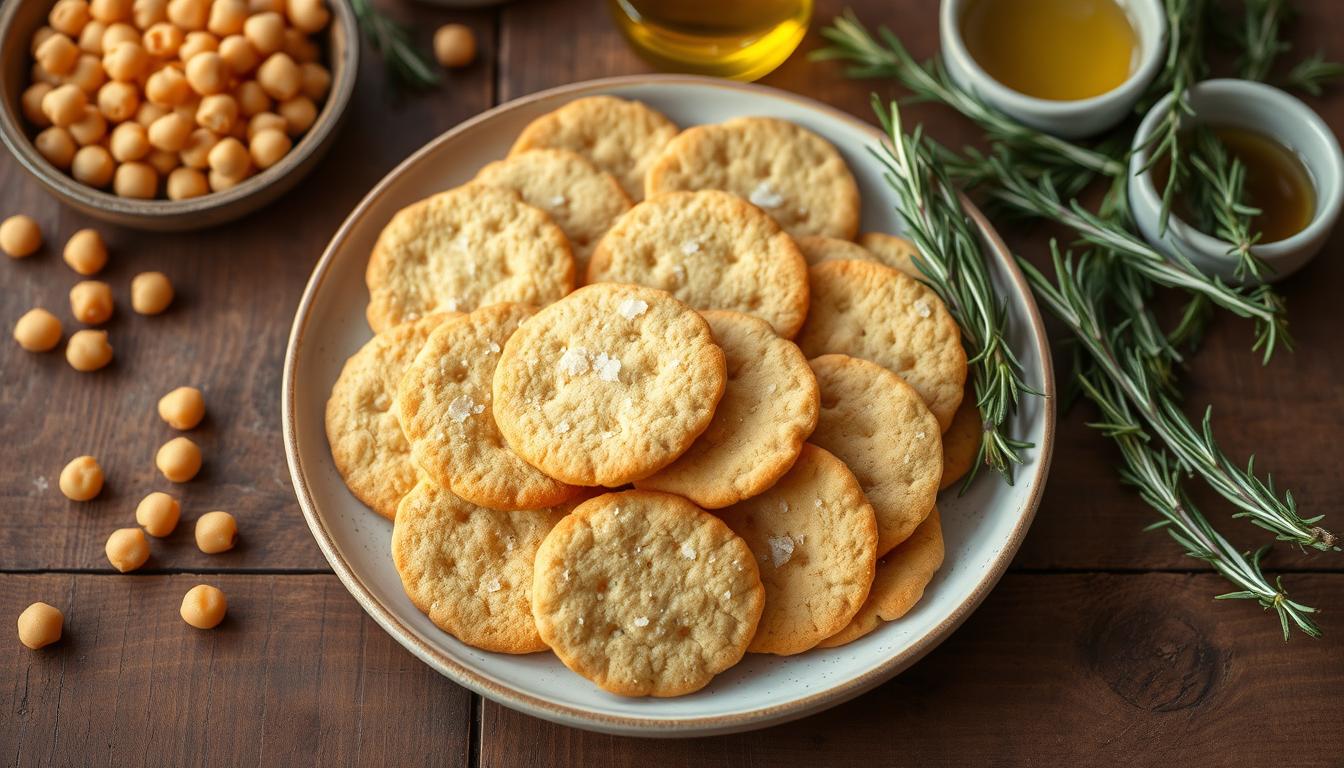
x=1053 y=670
x=237 y=289
x=296 y=675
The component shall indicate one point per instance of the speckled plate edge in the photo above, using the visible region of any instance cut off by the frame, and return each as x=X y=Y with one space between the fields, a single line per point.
x=654 y=726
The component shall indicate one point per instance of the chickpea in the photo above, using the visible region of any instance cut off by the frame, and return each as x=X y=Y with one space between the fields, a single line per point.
x=40 y=625
x=252 y=100
x=315 y=79
x=279 y=76
x=118 y=101
x=170 y=132
x=228 y=158
x=219 y=182
x=129 y=141
x=264 y=120
x=454 y=45
x=217 y=112
x=163 y=39
x=38 y=330
x=307 y=15
x=196 y=43
x=110 y=11
x=158 y=514
x=299 y=47
x=238 y=54
x=162 y=161
x=57 y=54
x=300 y=113
x=126 y=61
x=91 y=301
x=167 y=88
x=268 y=147
x=136 y=180
x=32 y=104
x=20 y=236
x=204 y=606
x=266 y=32
x=147 y=13
x=190 y=15
x=216 y=532
x=88 y=350
x=81 y=479
x=178 y=459
x=69 y=16
x=57 y=146
x=151 y=293
x=64 y=105
x=119 y=32
x=85 y=252
x=207 y=73
x=91 y=129
x=91 y=38
x=184 y=183
x=93 y=165
x=227 y=17
x=88 y=74
x=39 y=74
x=39 y=37
x=197 y=151
x=127 y=549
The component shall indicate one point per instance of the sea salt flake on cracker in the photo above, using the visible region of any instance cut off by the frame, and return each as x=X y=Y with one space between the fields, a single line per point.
x=562 y=427
x=781 y=549
x=687 y=551
x=461 y=407
x=690 y=246
x=493 y=586
x=765 y=196
x=641 y=621
x=632 y=308
x=922 y=308
x=574 y=362
x=608 y=368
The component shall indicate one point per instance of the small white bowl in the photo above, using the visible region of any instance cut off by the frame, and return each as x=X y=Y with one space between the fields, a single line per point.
x=1265 y=109
x=1066 y=119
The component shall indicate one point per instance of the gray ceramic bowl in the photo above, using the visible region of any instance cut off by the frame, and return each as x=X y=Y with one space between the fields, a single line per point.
x=20 y=18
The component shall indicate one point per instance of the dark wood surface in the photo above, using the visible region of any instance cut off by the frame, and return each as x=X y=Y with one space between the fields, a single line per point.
x=1100 y=646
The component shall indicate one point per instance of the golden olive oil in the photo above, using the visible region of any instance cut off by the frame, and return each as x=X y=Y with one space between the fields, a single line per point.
x=739 y=39
x=1062 y=50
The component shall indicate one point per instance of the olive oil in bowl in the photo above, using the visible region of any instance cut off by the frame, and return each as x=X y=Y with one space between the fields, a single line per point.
x=738 y=39
x=1060 y=50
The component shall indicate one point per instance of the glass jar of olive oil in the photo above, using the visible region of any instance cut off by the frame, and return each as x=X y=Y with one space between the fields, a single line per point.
x=738 y=39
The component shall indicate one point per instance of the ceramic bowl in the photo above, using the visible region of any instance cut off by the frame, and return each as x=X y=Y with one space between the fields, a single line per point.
x=1272 y=112
x=19 y=19
x=983 y=528
x=1066 y=119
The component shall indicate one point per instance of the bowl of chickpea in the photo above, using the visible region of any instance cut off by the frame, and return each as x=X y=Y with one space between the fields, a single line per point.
x=173 y=114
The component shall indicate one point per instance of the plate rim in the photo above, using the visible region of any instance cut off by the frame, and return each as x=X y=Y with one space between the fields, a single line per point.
x=628 y=725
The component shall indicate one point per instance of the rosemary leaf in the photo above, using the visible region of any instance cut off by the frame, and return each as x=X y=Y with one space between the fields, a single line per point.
x=407 y=63
x=1313 y=74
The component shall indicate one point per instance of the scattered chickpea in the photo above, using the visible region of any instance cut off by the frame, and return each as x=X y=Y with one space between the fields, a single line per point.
x=168 y=87
x=40 y=625
x=299 y=113
x=81 y=479
x=204 y=606
x=196 y=153
x=196 y=43
x=129 y=141
x=57 y=146
x=163 y=39
x=186 y=182
x=229 y=158
x=110 y=11
x=91 y=301
x=170 y=132
x=85 y=252
x=216 y=532
x=127 y=549
x=217 y=112
x=158 y=514
x=183 y=408
x=265 y=31
x=57 y=54
x=88 y=350
x=88 y=74
x=147 y=13
x=90 y=129
x=69 y=16
x=179 y=459
x=454 y=45
x=93 y=165
x=151 y=293
x=119 y=32
x=239 y=54
x=64 y=104
x=118 y=101
x=163 y=162
x=20 y=236
x=38 y=330
x=126 y=61
x=316 y=80
x=32 y=104
x=268 y=147
x=136 y=180
x=279 y=76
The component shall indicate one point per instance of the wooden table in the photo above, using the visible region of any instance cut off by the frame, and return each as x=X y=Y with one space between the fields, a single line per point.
x=1101 y=645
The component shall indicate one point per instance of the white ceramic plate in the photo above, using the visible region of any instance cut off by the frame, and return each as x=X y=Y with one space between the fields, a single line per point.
x=983 y=528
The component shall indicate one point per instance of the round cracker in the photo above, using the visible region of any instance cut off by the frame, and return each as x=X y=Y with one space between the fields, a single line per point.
x=367 y=444
x=892 y=250
x=815 y=540
x=961 y=441
x=879 y=426
x=769 y=407
x=818 y=248
x=645 y=594
x=608 y=385
x=466 y=248
x=711 y=250
x=443 y=404
x=867 y=310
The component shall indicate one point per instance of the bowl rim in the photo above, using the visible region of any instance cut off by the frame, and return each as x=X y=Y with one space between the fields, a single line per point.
x=623 y=724
x=949 y=21
x=1327 y=210
x=14 y=135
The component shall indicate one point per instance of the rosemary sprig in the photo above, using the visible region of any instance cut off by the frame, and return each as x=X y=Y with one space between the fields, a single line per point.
x=1220 y=199
x=953 y=265
x=1258 y=39
x=1157 y=479
x=1312 y=74
x=1076 y=302
x=390 y=39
